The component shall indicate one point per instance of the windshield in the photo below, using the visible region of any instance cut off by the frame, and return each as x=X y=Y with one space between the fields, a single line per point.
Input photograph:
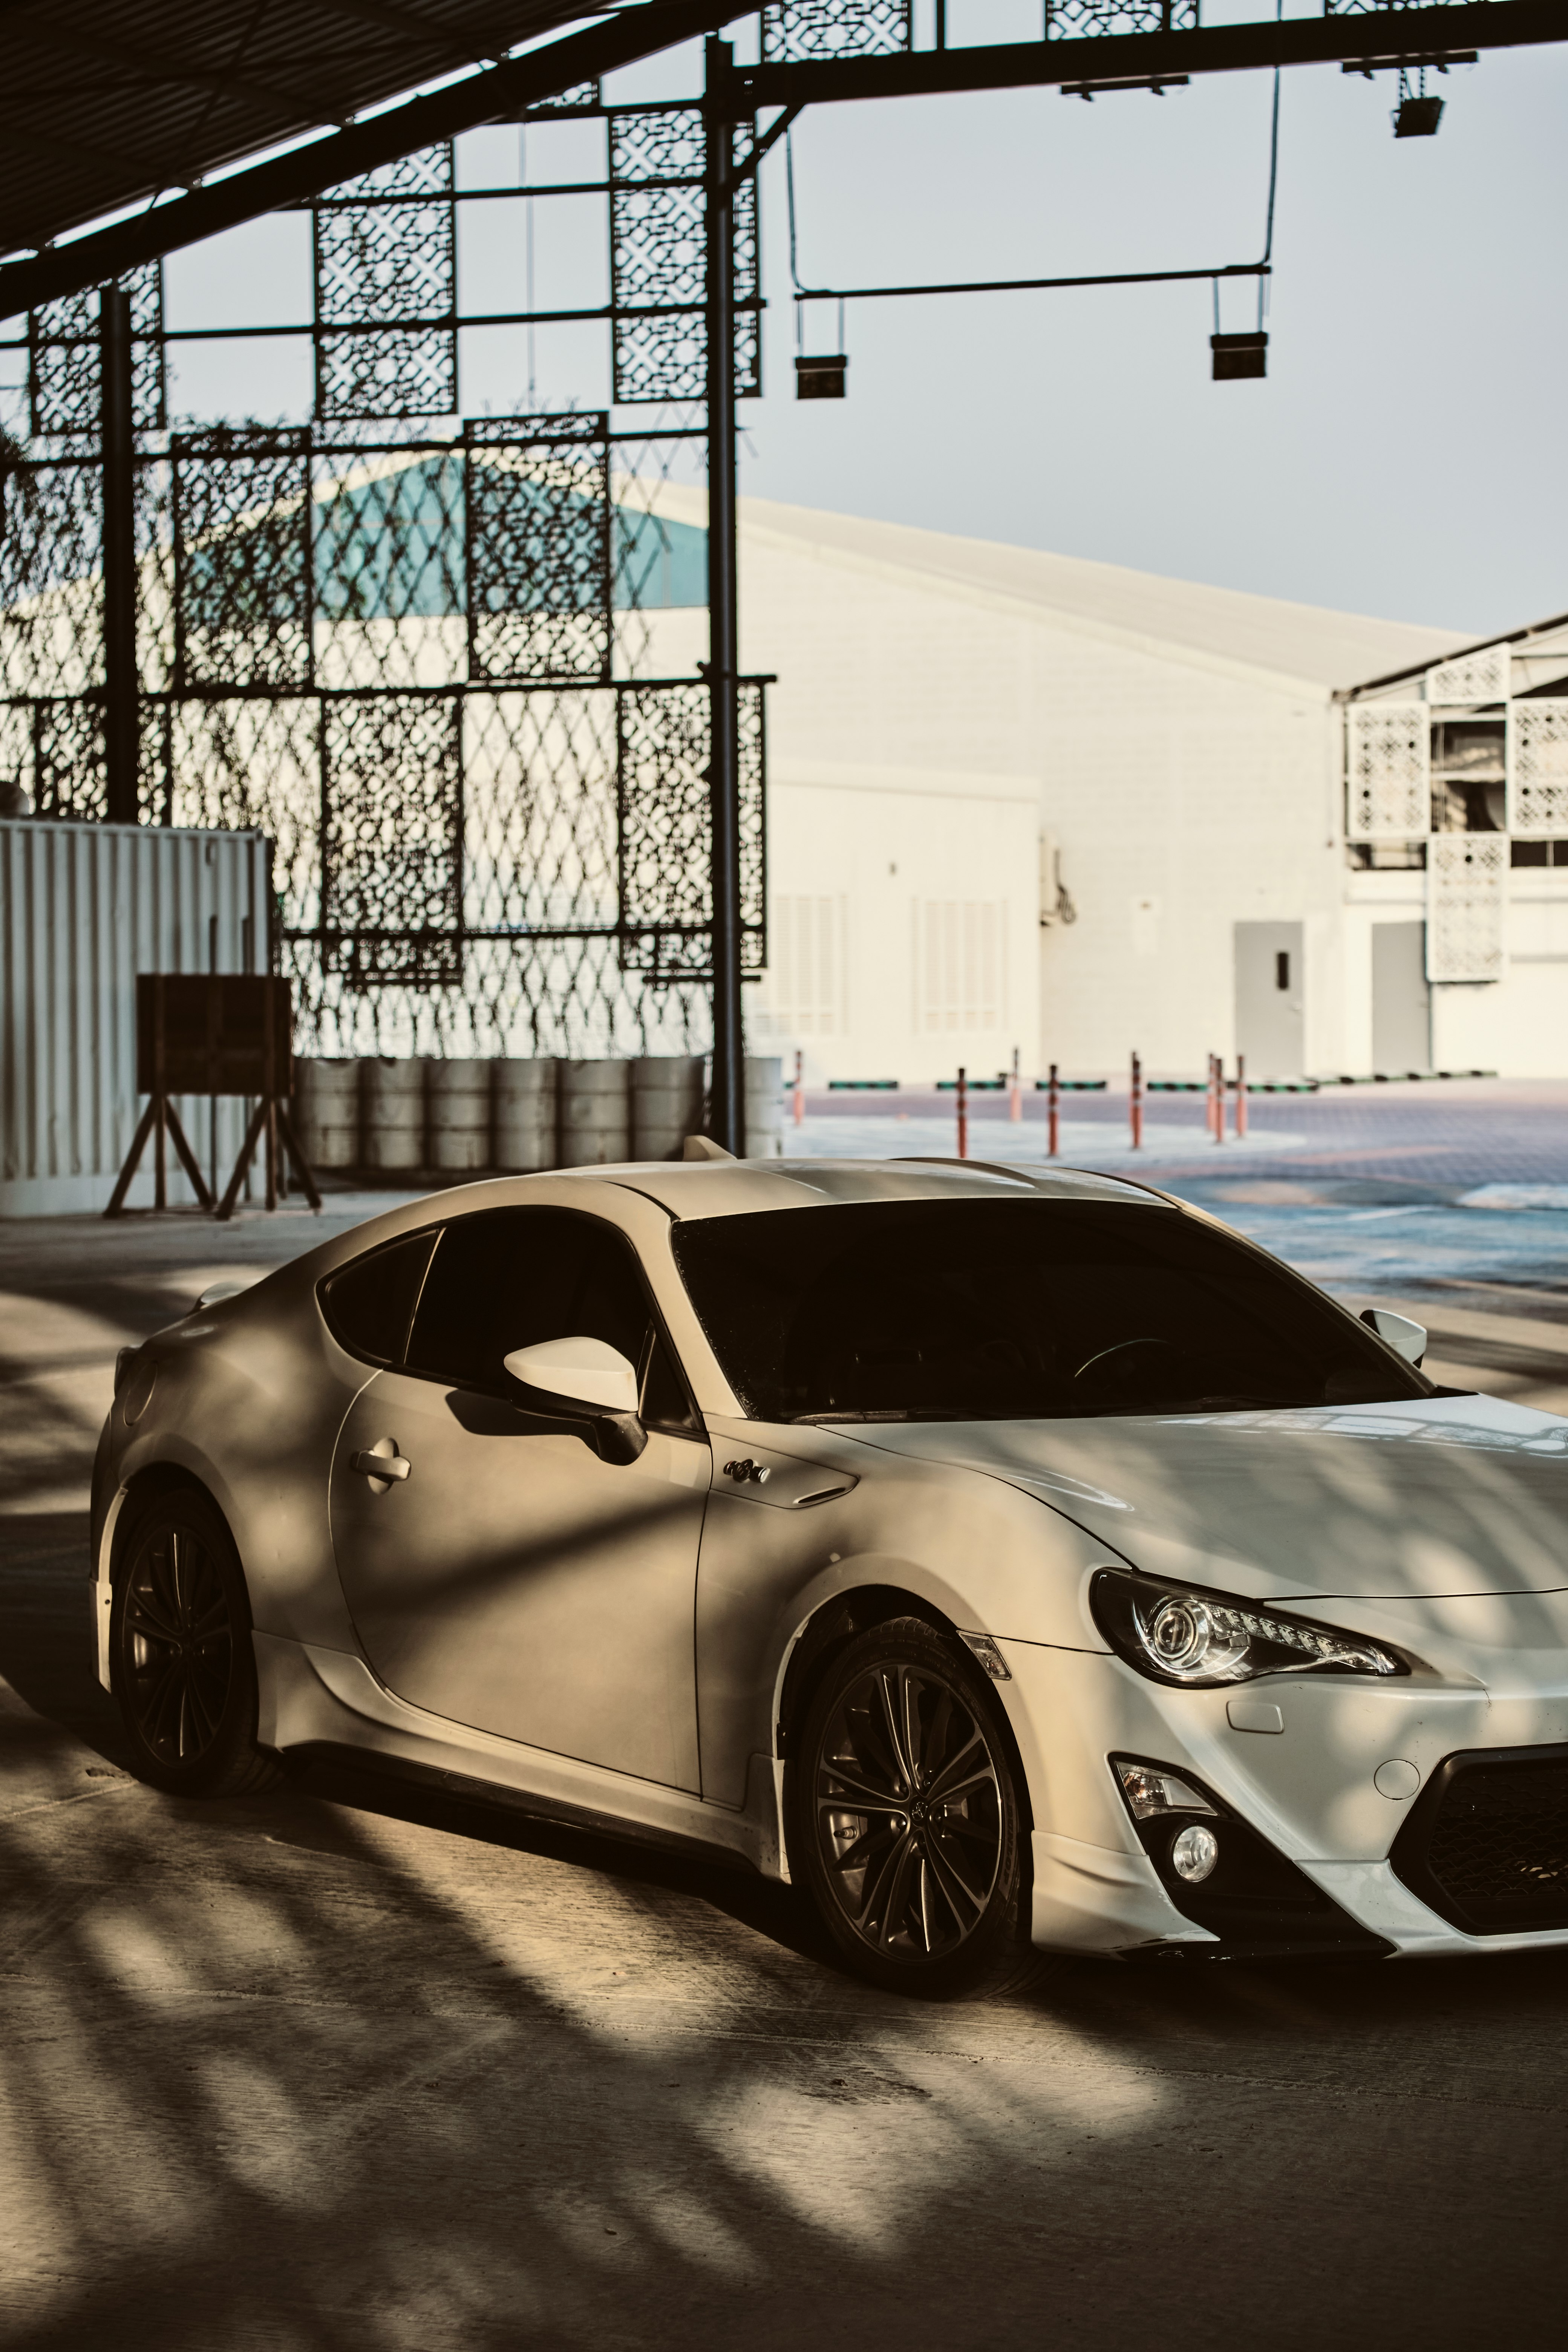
x=1038 y=1309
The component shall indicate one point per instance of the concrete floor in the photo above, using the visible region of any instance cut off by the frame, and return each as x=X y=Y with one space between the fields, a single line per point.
x=337 y=2068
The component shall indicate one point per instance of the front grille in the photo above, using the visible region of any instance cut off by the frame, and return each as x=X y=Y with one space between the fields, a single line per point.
x=1487 y=1845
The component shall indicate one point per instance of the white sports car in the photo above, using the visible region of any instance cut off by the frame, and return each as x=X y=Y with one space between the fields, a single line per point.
x=1012 y=1557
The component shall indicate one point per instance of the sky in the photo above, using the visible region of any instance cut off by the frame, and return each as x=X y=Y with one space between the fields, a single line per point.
x=1401 y=460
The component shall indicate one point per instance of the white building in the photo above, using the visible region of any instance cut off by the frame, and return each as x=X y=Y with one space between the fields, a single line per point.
x=1024 y=801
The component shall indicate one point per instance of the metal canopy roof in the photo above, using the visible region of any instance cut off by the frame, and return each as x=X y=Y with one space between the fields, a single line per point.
x=103 y=109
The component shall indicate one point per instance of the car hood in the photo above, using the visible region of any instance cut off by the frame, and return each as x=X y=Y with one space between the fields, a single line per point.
x=1427 y=1498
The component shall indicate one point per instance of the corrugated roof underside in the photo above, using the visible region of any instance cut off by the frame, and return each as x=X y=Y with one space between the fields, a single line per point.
x=104 y=108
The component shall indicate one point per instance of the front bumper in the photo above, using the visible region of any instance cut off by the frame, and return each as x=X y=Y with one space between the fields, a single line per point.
x=1310 y=1789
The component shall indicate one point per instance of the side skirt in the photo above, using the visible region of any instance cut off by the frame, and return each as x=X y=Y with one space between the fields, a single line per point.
x=329 y=1703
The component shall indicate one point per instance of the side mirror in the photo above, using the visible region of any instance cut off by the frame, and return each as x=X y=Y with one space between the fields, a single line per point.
x=586 y=1381
x=1406 y=1338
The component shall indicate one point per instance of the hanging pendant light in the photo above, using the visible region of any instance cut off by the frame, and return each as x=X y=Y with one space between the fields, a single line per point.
x=821 y=377
x=1238 y=355
x=1417 y=116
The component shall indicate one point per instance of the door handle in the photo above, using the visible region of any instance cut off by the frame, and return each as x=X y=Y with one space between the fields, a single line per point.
x=381 y=1466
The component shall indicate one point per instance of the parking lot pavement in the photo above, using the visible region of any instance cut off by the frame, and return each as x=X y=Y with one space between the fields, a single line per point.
x=337 y=2067
x=1447 y=1134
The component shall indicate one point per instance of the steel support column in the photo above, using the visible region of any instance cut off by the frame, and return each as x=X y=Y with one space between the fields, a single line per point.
x=120 y=719
x=727 y=1115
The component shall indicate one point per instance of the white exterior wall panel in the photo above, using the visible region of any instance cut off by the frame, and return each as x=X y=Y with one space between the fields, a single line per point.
x=83 y=909
x=1186 y=758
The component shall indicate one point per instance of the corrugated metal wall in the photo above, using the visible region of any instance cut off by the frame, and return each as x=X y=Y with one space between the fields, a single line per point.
x=84 y=908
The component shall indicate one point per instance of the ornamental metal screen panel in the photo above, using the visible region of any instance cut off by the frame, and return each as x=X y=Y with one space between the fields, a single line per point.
x=447 y=672
x=391 y=841
x=1538 y=766
x=242 y=529
x=794 y=29
x=1481 y=677
x=538 y=533
x=1075 y=20
x=658 y=256
x=1466 y=906
x=65 y=371
x=1388 y=771
x=385 y=255
x=664 y=817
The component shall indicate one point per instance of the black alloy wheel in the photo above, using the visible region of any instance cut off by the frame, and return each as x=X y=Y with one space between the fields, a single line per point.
x=906 y=1817
x=182 y=1663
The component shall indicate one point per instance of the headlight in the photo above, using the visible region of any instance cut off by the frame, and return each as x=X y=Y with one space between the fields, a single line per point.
x=1176 y=1633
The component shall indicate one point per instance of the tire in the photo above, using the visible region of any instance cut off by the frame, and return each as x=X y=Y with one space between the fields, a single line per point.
x=181 y=1660
x=930 y=1902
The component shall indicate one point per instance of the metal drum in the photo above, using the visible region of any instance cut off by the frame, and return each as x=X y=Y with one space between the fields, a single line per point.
x=667 y=1103
x=393 y=1106
x=459 y=1103
x=326 y=1112
x=764 y=1106
x=525 y=1116
x=595 y=1113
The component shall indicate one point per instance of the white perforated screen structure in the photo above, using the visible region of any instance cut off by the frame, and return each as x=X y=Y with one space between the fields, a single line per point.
x=1538 y=766
x=1467 y=882
x=1388 y=764
x=1473 y=678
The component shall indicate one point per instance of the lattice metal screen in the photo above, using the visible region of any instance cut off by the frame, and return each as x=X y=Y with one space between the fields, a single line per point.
x=664 y=828
x=1481 y=677
x=1388 y=769
x=658 y=256
x=447 y=668
x=537 y=518
x=242 y=547
x=836 y=28
x=436 y=675
x=1466 y=906
x=385 y=252
x=64 y=381
x=1538 y=766
x=1075 y=20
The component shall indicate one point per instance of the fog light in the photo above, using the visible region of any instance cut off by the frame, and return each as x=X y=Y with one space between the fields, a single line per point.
x=1193 y=1853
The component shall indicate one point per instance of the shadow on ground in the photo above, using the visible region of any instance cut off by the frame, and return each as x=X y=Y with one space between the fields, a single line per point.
x=350 y=2066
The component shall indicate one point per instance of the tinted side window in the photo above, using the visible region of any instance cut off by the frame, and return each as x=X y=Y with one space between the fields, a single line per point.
x=510 y=1278
x=368 y=1304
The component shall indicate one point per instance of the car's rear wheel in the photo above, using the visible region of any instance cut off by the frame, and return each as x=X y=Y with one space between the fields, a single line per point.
x=906 y=1817
x=181 y=1658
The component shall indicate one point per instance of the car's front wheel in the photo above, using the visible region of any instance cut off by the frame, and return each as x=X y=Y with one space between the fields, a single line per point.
x=906 y=1819
x=180 y=1656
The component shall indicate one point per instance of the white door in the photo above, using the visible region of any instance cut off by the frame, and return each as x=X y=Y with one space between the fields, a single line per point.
x=1270 y=999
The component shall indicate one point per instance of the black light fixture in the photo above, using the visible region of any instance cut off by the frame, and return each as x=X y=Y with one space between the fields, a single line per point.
x=821 y=377
x=1238 y=355
x=1417 y=116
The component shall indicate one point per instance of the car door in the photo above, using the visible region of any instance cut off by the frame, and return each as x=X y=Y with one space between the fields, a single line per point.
x=508 y=1579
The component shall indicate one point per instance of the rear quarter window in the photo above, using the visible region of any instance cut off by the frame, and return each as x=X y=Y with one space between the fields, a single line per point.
x=368 y=1304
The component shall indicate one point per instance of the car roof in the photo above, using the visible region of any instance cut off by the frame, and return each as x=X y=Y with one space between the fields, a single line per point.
x=728 y=1188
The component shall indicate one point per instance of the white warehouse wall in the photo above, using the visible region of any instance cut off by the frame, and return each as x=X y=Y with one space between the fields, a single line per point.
x=942 y=705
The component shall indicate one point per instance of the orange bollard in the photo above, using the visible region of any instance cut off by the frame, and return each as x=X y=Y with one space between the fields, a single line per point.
x=1240 y=1098
x=1053 y=1116
x=962 y=1113
x=799 y=1090
x=1135 y=1104
x=1015 y=1093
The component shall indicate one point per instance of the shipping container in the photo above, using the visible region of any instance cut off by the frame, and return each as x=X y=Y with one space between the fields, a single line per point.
x=84 y=908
